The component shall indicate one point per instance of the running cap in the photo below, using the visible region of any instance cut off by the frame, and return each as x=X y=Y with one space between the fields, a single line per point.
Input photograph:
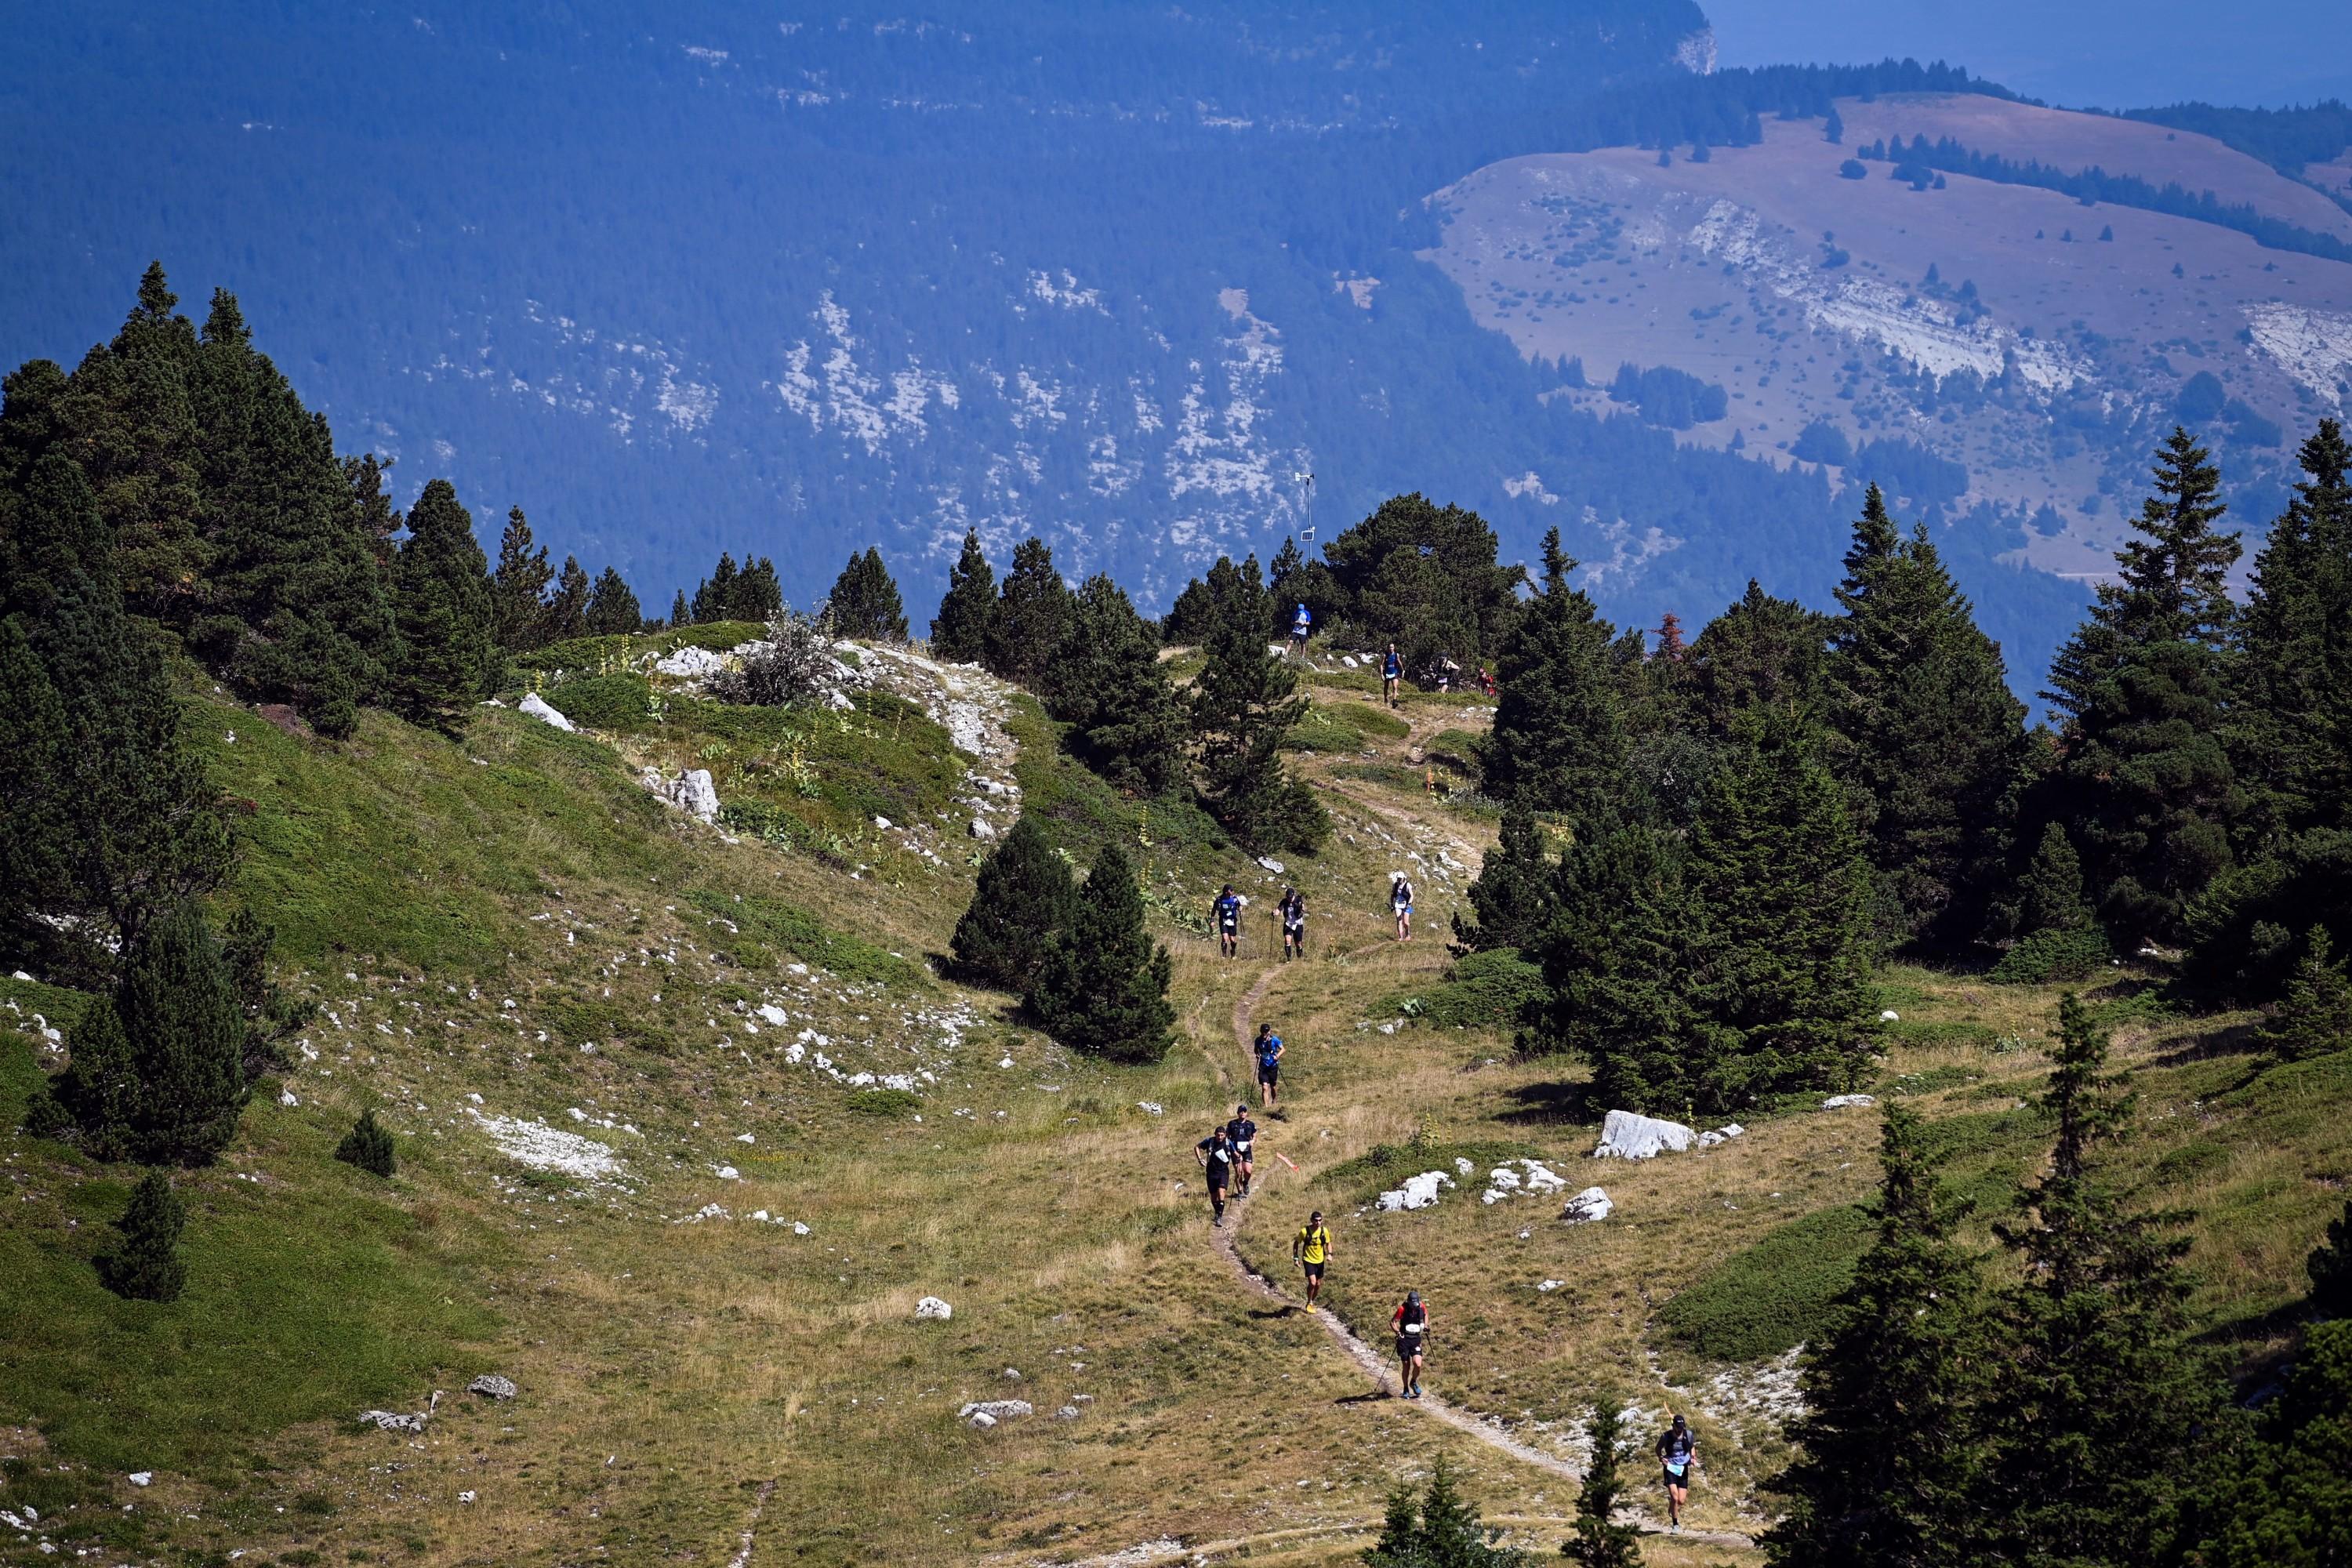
x=1315 y=1215
x=1413 y=1297
x=1678 y=1420
x=1243 y=1107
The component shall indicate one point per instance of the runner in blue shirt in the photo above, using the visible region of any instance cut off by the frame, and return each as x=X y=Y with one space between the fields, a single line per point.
x=1268 y=1049
x=1300 y=622
x=1227 y=912
x=1391 y=672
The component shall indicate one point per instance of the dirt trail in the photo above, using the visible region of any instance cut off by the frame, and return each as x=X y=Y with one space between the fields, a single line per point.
x=1370 y=1362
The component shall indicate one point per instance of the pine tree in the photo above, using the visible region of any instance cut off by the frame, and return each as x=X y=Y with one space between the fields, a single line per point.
x=1928 y=737
x=131 y=423
x=98 y=1094
x=960 y=632
x=1762 y=652
x=145 y=1263
x=613 y=608
x=1599 y=1541
x=1782 y=981
x=565 y=614
x=1439 y=1530
x=441 y=593
x=180 y=1009
x=757 y=594
x=1833 y=127
x=2143 y=685
x=1426 y=578
x=1033 y=610
x=1190 y=616
x=2059 y=937
x=108 y=814
x=1103 y=988
x=373 y=517
x=865 y=601
x=714 y=596
x=2315 y=1015
x=2330 y=1267
x=298 y=611
x=1243 y=705
x=1614 y=959
x=1513 y=897
x=519 y=587
x=1892 y=1387
x=1126 y=721
x=1558 y=738
x=2100 y=1412
x=2286 y=1502
x=369 y=1146
x=680 y=613
x=1023 y=897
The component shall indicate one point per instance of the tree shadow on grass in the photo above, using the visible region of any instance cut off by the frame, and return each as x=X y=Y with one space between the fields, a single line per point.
x=1549 y=1105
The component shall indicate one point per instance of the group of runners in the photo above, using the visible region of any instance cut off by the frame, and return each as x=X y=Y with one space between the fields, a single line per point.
x=1290 y=909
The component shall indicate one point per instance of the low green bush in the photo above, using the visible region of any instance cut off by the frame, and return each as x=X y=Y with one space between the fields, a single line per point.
x=1481 y=990
x=616 y=704
x=887 y=1102
x=1771 y=1296
x=2048 y=955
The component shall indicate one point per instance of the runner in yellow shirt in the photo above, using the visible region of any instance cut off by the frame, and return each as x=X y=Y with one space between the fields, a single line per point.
x=1312 y=1249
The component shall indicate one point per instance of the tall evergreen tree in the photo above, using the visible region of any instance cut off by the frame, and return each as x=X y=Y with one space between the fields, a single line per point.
x=757 y=594
x=1189 y=616
x=187 y=1031
x=613 y=608
x=1023 y=898
x=1103 y=987
x=680 y=613
x=1126 y=721
x=714 y=596
x=519 y=587
x=1928 y=735
x=145 y=1263
x=1243 y=706
x=1599 y=1541
x=299 y=609
x=108 y=814
x=2287 y=1501
x=2058 y=935
x=1426 y=578
x=1762 y=652
x=2101 y=1412
x=2143 y=685
x=1783 y=895
x=1615 y=959
x=98 y=1095
x=960 y=632
x=865 y=601
x=441 y=593
x=1889 y=1451
x=1512 y=899
x=565 y=614
x=1558 y=737
x=373 y=517
x=1033 y=611
x=2315 y=1016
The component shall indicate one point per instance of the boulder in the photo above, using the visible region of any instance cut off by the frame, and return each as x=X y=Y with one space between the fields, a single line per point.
x=691 y=663
x=1066 y=1413
x=930 y=1308
x=1839 y=1101
x=1418 y=1192
x=1627 y=1136
x=982 y=829
x=541 y=708
x=1586 y=1206
x=492 y=1385
x=994 y=1411
x=1271 y=864
x=981 y=1419
x=691 y=792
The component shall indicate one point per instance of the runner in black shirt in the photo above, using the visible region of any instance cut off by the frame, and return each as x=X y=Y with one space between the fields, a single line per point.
x=1293 y=911
x=1227 y=913
x=1240 y=1133
x=1216 y=1153
x=1679 y=1454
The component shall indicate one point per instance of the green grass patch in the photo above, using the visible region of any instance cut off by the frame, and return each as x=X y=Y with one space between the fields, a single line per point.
x=775 y=923
x=617 y=704
x=1322 y=729
x=1480 y=990
x=891 y=1103
x=1456 y=748
x=592 y=1021
x=1771 y=1296
x=1943 y=1035
x=1386 y=1165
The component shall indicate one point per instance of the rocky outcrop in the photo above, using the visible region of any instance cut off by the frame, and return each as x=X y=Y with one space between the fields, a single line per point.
x=1627 y=1136
x=691 y=792
x=540 y=708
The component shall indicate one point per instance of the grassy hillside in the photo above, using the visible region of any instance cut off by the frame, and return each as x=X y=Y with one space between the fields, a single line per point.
x=694 y=1235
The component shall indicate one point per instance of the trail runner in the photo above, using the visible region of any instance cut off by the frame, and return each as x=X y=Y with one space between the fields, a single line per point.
x=1311 y=1247
x=1216 y=1153
x=1411 y=1323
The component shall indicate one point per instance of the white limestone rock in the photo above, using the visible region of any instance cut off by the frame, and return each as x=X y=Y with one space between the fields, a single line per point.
x=1627 y=1136
x=541 y=708
x=1839 y=1102
x=1591 y=1204
x=989 y=1412
x=1418 y=1192
x=930 y=1308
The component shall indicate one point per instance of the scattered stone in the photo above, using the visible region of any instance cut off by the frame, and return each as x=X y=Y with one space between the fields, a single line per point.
x=1627 y=1136
x=142 y=1477
x=1722 y=1134
x=1548 y=1285
x=1839 y=1102
x=691 y=792
x=932 y=1308
x=537 y=707
x=492 y=1385
x=728 y=1173
x=286 y=1096
x=995 y=1410
x=1066 y=1413
x=691 y=664
x=465 y=1497
x=981 y=1419
x=1590 y=1205
x=1890 y=1016
x=883 y=823
x=1153 y=1106
x=395 y=1421
x=1013 y=1374
x=1418 y=1192
x=982 y=829
x=20 y=974
x=1271 y=864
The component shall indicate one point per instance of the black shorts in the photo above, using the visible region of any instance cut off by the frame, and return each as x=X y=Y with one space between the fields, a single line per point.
x=1314 y=1270
x=1229 y=931
x=1241 y=1156
x=1218 y=1184
x=1295 y=934
x=1672 y=1479
x=1407 y=1348
x=1268 y=1071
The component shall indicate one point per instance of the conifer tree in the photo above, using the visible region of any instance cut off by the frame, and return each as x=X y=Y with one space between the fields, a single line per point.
x=1892 y=1387
x=2330 y=1267
x=373 y=517
x=1033 y=610
x=1599 y=1541
x=2059 y=937
x=1126 y=721
x=1243 y=705
x=960 y=632
x=714 y=596
x=1558 y=740
x=757 y=594
x=1512 y=899
x=680 y=613
x=2316 y=1014
x=368 y=1145
x=1189 y=616
x=1426 y=578
x=1023 y=898
x=519 y=587
x=565 y=614
x=2286 y=1502
x=441 y=593
x=1438 y=1530
x=108 y=814
x=613 y=608
x=865 y=601
x=1782 y=892
x=1761 y=652
x=1928 y=735
x=2143 y=685
x=1615 y=957
x=98 y=1094
x=2102 y=1408
x=1103 y=988
x=298 y=610
x=145 y=1263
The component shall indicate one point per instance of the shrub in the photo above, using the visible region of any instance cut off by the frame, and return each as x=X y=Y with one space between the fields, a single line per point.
x=367 y=1145
x=1494 y=988
x=145 y=1265
x=1774 y=1295
x=2048 y=955
x=793 y=664
x=890 y=1102
x=1103 y=988
x=616 y=704
x=1023 y=897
